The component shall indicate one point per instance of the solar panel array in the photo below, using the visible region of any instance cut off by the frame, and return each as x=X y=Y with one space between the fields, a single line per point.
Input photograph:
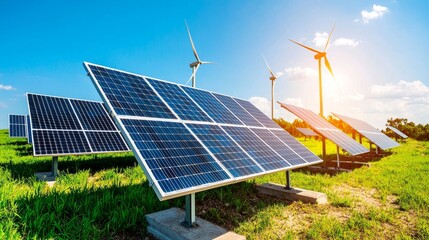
x=17 y=125
x=64 y=126
x=307 y=132
x=188 y=140
x=368 y=131
x=327 y=130
x=395 y=130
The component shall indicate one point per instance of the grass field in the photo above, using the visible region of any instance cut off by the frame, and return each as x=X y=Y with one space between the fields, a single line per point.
x=107 y=196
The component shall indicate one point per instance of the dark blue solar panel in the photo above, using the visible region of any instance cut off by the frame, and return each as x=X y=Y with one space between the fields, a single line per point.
x=130 y=94
x=17 y=126
x=29 y=136
x=106 y=141
x=239 y=111
x=52 y=113
x=92 y=115
x=256 y=148
x=181 y=104
x=234 y=159
x=59 y=142
x=256 y=113
x=279 y=146
x=175 y=158
x=212 y=106
x=296 y=146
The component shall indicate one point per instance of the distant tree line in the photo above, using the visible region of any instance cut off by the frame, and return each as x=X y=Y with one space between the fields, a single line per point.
x=417 y=131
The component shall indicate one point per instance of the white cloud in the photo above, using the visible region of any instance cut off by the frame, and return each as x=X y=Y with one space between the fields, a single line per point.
x=298 y=73
x=5 y=87
x=320 y=39
x=346 y=42
x=377 y=12
x=294 y=101
x=403 y=89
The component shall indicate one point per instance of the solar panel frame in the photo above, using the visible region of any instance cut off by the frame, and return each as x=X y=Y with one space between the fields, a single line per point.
x=17 y=129
x=369 y=132
x=327 y=130
x=80 y=129
x=397 y=131
x=29 y=134
x=119 y=120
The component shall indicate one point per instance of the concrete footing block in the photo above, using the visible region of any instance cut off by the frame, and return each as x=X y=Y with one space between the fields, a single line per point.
x=47 y=177
x=294 y=194
x=166 y=225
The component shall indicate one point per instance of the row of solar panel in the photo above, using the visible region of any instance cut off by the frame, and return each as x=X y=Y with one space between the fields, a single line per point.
x=18 y=126
x=62 y=126
x=189 y=140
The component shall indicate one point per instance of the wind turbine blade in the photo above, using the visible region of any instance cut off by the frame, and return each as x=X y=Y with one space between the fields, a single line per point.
x=268 y=66
x=309 y=48
x=206 y=62
x=192 y=43
x=193 y=74
x=329 y=39
x=328 y=66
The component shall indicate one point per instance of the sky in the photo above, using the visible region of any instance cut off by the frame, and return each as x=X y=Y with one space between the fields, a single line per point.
x=378 y=51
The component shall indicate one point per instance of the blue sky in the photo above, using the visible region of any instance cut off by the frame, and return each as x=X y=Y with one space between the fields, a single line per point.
x=379 y=51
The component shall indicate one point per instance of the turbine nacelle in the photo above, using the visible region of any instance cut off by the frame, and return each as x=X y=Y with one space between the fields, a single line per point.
x=320 y=55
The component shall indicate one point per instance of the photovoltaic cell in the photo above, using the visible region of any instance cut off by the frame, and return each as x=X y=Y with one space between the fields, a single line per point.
x=175 y=158
x=59 y=142
x=92 y=115
x=295 y=145
x=212 y=106
x=17 y=126
x=395 y=130
x=307 y=132
x=256 y=148
x=239 y=111
x=206 y=147
x=225 y=149
x=279 y=146
x=368 y=131
x=327 y=130
x=256 y=113
x=63 y=126
x=51 y=113
x=130 y=94
x=179 y=101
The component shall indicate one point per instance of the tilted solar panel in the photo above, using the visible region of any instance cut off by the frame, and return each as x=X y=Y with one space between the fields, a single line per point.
x=368 y=131
x=17 y=125
x=64 y=126
x=327 y=130
x=207 y=141
x=395 y=130
x=307 y=132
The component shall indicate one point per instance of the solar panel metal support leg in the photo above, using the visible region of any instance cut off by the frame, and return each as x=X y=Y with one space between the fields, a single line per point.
x=55 y=166
x=338 y=157
x=190 y=211
x=288 y=186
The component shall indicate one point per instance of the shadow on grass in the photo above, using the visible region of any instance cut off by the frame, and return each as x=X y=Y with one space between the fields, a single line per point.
x=118 y=211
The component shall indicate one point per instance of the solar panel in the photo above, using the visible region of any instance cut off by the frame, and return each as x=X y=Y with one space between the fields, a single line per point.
x=212 y=106
x=29 y=135
x=64 y=126
x=210 y=142
x=307 y=132
x=368 y=131
x=256 y=113
x=395 y=130
x=17 y=125
x=327 y=130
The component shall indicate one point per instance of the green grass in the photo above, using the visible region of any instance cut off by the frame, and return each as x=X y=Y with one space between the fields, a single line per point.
x=107 y=196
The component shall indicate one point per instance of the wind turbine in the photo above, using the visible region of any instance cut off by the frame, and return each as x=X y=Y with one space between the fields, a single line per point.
x=195 y=65
x=319 y=55
x=273 y=79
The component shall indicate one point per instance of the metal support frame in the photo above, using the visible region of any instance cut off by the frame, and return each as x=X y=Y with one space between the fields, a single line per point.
x=54 y=168
x=338 y=157
x=190 y=211
x=288 y=185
